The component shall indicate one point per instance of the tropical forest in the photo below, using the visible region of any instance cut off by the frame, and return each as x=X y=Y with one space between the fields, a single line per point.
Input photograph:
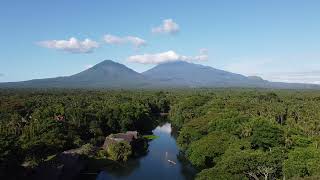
x=221 y=133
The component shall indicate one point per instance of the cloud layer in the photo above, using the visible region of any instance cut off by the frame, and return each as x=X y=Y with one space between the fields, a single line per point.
x=116 y=40
x=72 y=45
x=168 y=26
x=312 y=77
x=169 y=56
x=87 y=66
x=277 y=70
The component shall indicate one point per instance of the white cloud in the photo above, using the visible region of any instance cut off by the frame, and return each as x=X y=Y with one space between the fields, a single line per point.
x=111 y=39
x=135 y=41
x=311 y=77
x=155 y=58
x=72 y=45
x=276 y=69
x=168 y=26
x=203 y=55
x=166 y=128
x=169 y=56
x=87 y=66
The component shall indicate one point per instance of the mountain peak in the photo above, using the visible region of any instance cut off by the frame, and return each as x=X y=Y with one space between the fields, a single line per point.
x=108 y=67
x=108 y=62
x=108 y=73
x=258 y=78
x=182 y=73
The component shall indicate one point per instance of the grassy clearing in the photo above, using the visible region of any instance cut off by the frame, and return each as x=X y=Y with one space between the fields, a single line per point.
x=150 y=137
x=50 y=157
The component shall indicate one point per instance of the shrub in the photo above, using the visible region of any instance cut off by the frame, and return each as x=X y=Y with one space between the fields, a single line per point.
x=119 y=151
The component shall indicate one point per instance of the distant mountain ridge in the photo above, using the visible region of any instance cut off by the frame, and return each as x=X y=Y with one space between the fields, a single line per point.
x=106 y=74
x=193 y=75
x=178 y=74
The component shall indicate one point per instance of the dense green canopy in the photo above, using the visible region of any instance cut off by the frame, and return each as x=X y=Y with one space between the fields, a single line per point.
x=36 y=124
x=224 y=133
x=250 y=134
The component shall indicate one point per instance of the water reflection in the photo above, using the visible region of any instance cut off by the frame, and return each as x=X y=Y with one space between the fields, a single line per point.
x=165 y=128
x=155 y=164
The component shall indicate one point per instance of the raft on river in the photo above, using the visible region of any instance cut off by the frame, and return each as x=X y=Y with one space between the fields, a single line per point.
x=172 y=162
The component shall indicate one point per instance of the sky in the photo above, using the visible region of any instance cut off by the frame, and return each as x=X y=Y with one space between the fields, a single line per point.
x=278 y=40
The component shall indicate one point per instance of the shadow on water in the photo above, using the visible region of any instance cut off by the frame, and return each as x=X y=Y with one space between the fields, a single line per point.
x=155 y=164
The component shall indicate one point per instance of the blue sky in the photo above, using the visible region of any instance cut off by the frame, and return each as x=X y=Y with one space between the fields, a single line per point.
x=276 y=39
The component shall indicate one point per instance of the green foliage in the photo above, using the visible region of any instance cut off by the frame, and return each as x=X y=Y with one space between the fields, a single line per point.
x=213 y=174
x=43 y=138
x=119 y=151
x=206 y=151
x=10 y=152
x=225 y=133
x=300 y=141
x=302 y=162
x=265 y=126
x=87 y=149
x=187 y=109
x=150 y=137
x=35 y=124
x=232 y=124
x=266 y=134
x=251 y=163
x=102 y=154
x=192 y=131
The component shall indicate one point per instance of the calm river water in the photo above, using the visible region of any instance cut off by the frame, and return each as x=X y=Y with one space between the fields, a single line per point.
x=155 y=164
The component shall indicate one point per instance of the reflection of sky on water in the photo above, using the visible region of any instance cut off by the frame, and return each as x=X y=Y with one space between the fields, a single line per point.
x=166 y=128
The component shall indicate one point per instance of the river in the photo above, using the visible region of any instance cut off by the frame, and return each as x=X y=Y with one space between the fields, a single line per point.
x=154 y=165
